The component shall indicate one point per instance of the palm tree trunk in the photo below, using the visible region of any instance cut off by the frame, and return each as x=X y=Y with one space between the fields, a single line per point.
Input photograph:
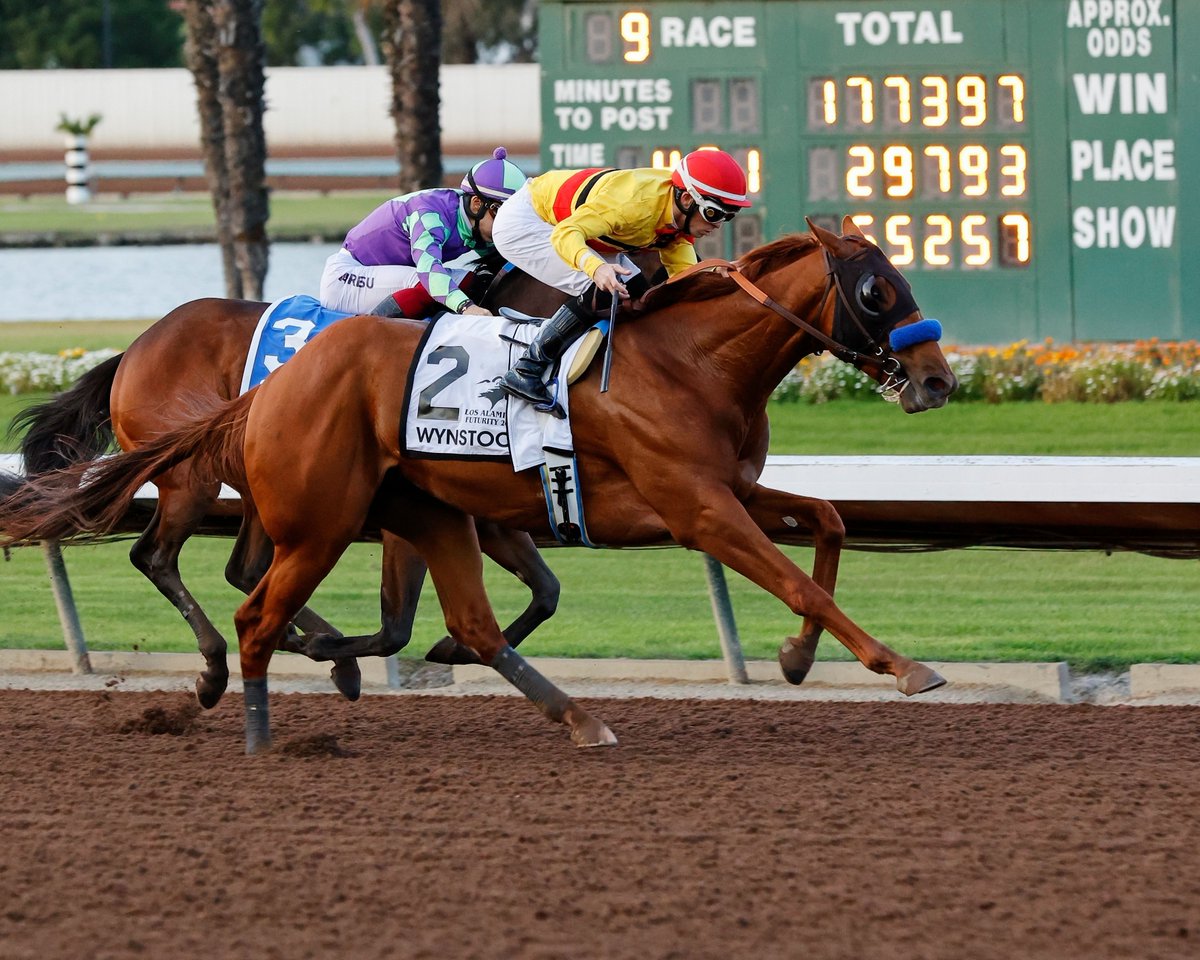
x=200 y=54
x=240 y=59
x=412 y=45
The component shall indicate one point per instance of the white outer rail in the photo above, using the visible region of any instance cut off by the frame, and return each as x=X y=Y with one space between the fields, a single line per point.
x=989 y=479
x=906 y=484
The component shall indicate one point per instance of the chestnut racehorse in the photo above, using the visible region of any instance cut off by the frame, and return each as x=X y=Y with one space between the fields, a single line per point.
x=196 y=354
x=663 y=455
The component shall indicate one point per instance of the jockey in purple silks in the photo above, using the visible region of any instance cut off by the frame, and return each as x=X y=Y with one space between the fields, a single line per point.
x=400 y=251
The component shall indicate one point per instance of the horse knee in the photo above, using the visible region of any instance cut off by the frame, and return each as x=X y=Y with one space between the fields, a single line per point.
x=257 y=635
x=545 y=600
x=236 y=577
x=479 y=631
x=148 y=558
x=829 y=530
x=809 y=600
x=392 y=643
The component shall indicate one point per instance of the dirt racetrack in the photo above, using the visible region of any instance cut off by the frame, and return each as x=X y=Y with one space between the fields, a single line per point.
x=420 y=826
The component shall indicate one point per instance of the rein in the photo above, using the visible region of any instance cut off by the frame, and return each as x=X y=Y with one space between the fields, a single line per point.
x=890 y=370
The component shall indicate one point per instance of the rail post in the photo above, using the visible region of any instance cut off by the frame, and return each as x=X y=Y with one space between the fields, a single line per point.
x=731 y=646
x=65 y=601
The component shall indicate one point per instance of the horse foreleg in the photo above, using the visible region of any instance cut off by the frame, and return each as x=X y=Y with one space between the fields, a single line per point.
x=715 y=522
x=777 y=513
x=156 y=554
x=447 y=540
x=248 y=563
x=514 y=550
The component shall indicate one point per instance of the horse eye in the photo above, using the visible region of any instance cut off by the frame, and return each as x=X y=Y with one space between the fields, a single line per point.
x=870 y=294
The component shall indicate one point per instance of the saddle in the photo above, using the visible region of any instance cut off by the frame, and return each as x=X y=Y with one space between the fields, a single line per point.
x=589 y=343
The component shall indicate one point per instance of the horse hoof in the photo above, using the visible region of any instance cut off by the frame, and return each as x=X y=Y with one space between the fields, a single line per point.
x=795 y=662
x=449 y=651
x=347 y=677
x=920 y=679
x=592 y=733
x=209 y=690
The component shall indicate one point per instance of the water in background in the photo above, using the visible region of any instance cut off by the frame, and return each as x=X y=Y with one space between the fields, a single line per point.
x=117 y=283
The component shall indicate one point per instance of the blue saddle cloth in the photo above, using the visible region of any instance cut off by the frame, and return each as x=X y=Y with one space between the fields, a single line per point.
x=285 y=327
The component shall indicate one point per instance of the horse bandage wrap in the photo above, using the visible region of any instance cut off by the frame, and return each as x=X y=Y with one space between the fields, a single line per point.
x=920 y=332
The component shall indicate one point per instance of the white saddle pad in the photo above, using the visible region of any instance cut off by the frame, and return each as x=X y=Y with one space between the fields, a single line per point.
x=454 y=407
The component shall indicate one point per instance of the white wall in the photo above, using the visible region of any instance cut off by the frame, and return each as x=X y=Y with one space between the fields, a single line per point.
x=306 y=106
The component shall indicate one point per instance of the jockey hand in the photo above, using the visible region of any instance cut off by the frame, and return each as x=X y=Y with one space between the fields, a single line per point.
x=608 y=278
x=476 y=311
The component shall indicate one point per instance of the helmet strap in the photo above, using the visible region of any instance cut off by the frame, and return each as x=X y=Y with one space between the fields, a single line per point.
x=686 y=226
x=475 y=218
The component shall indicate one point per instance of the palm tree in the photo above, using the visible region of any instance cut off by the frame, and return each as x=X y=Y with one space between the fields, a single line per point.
x=224 y=51
x=412 y=45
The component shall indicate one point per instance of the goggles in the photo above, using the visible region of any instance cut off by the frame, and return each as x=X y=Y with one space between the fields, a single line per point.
x=714 y=212
x=710 y=210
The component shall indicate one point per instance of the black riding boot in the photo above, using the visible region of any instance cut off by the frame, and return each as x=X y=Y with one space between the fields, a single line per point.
x=567 y=325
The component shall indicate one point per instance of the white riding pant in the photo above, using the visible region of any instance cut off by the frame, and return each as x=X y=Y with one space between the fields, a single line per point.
x=523 y=239
x=352 y=287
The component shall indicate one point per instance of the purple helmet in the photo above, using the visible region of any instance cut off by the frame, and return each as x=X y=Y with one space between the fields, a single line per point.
x=494 y=179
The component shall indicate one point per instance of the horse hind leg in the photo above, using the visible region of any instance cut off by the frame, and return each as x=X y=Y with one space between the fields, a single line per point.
x=514 y=550
x=403 y=574
x=262 y=621
x=248 y=563
x=447 y=540
x=156 y=554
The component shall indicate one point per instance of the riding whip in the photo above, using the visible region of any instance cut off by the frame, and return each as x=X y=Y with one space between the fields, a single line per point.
x=606 y=371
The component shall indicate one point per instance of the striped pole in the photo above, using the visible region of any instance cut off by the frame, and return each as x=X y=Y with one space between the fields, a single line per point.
x=78 y=174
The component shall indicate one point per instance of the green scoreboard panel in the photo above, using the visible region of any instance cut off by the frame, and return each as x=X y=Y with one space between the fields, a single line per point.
x=1020 y=160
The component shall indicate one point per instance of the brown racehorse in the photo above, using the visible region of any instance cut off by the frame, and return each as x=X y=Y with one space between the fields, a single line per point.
x=662 y=454
x=196 y=354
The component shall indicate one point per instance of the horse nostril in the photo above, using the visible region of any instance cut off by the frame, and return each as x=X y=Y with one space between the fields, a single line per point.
x=939 y=387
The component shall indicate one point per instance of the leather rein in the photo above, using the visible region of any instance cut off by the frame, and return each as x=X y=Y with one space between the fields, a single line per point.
x=888 y=368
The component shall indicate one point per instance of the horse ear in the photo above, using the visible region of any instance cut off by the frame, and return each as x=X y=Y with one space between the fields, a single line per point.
x=850 y=228
x=838 y=246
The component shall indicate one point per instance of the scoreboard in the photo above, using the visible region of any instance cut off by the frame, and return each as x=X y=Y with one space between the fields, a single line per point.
x=1031 y=165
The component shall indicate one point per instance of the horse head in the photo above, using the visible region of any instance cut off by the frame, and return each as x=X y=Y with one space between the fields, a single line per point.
x=877 y=321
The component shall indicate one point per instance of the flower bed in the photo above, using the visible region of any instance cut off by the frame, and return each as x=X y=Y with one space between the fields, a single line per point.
x=1053 y=373
x=32 y=372
x=1090 y=373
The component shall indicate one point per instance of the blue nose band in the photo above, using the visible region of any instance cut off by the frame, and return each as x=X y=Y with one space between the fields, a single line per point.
x=920 y=332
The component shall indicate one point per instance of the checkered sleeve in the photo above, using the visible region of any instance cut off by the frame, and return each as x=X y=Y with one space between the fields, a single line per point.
x=427 y=233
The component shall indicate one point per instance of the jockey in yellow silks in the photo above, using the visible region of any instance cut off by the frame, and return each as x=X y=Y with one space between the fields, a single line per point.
x=567 y=226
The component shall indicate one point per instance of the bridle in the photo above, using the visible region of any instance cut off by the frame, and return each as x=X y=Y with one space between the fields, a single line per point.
x=872 y=358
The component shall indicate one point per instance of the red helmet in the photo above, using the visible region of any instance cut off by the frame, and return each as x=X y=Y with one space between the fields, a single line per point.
x=712 y=175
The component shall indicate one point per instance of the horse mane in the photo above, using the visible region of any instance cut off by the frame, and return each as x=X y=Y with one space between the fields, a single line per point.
x=757 y=263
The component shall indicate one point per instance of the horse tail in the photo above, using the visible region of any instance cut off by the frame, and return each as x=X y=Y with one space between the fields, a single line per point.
x=10 y=483
x=84 y=502
x=71 y=427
